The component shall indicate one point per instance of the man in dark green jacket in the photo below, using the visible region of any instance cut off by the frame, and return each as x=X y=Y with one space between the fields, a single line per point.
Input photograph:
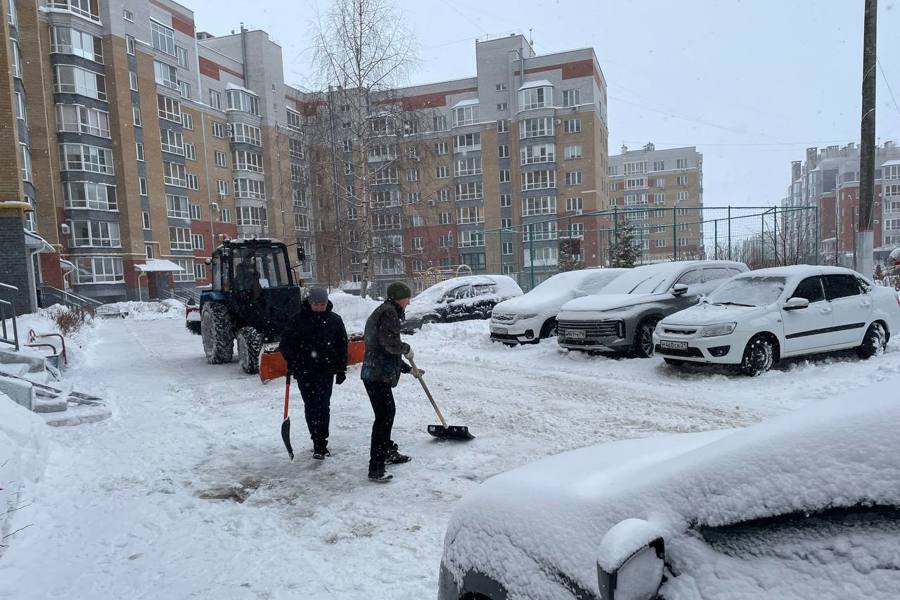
x=381 y=370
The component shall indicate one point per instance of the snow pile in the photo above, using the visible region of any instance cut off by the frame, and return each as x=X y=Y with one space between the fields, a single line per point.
x=42 y=322
x=353 y=310
x=23 y=452
x=552 y=513
x=148 y=311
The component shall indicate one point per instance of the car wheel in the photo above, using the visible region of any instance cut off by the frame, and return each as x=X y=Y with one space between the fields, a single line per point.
x=643 y=338
x=429 y=320
x=674 y=362
x=874 y=342
x=549 y=328
x=759 y=356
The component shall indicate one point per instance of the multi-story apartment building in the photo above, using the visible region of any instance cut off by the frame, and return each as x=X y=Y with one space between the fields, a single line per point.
x=825 y=189
x=660 y=193
x=139 y=142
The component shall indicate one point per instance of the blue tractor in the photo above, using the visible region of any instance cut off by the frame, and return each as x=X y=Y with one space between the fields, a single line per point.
x=252 y=297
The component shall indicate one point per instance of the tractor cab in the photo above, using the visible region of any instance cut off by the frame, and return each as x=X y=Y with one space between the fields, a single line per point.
x=252 y=297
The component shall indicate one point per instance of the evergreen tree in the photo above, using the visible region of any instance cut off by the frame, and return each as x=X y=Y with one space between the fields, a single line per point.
x=622 y=249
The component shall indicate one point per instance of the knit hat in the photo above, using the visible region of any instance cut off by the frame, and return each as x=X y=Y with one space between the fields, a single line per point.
x=317 y=295
x=398 y=291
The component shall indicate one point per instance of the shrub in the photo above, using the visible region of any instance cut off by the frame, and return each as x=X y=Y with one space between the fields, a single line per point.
x=72 y=318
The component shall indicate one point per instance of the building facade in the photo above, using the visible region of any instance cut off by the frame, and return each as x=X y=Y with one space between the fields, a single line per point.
x=660 y=193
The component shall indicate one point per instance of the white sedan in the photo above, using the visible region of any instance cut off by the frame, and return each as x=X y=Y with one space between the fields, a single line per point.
x=532 y=317
x=759 y=317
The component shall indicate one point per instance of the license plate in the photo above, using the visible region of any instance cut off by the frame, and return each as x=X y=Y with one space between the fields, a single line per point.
x=673 y=345
x=575 y=334
x=500 y=330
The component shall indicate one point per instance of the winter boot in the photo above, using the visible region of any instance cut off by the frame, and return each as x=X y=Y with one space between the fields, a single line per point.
x=379 y=476
x=395 y=458
x=318 y=455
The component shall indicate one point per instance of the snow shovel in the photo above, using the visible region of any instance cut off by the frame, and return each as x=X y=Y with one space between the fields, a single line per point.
x=442 y=431
x=286 y=423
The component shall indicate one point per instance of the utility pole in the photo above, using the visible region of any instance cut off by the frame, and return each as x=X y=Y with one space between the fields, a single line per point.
x=865 y=236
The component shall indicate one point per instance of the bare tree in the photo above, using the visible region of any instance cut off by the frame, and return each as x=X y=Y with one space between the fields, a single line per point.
x=361 y=51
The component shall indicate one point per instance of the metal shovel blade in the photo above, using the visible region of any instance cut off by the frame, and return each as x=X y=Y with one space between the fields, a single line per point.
x=451 y=432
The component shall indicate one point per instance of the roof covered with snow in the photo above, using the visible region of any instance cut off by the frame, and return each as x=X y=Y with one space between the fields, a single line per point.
x=467 y=102
x=157 y=265
x=534 y=84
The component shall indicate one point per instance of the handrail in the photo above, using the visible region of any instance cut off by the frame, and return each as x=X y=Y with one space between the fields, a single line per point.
x=70 y=298
x=14 y=340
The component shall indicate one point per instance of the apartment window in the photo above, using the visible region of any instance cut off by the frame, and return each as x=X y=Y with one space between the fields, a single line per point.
x=574 y=204
x=76 y=118
x=177 y=207
x=162 y=37
x=248 y=134
x=142 y=185
x=145 y=219
x=199 y=271
x=294 y=120
x=660 y=182
x=470 y=214
x=542 y=205
x=418 y=243
x=637 y=183
x=197 y=241
x=128 y=15
x=193 y=182
x=530 y=128
x=180 y=239
x=465 y=115
x=681 y=180
x=224 y=215
x=83 y=157
x=504 y=175
x=682 y=196
x=612 y=170
x=573 y=152
x=136 y=115
x=295 y=149
x=892 y=172
x=129 y=44
x=505 y=200
x=467 y=143
x=67 y=40
x=539 y=153
x=468 y=191
x=502 y=126
x=166 y=74
x=132 y=81
x=196 y=212
x=215 y=99
x=536 y=180
x=442 y=172
x=681 y=163
x=168 y=108
x=505 y=223
x=536 y=97
x=86 y=194
x=218 y=129
x=187 y=121
x=348 y=169
x=576 y=230
x=445 y=218
x=95 y=234
x=507 y=250
x=75 y=80
x=572 y=125
x=468 y=166
x=571 y=97
x=185 y=88
x=660 y=243
x=472 y=239
x=659 y=199
x=181 y=57
x=244 y=160
x=171 y=141
x=635 y=168
x=500 y=87
x=11 y=12
x=348 y=145
x=98 y=270
x=297 y=174
x=540 y=232
x=190 y=152
x=441 y=148
x=501 y=107
x=219 y=158
x=242 y=101
x=659 y=165
x=412 y=174
x=413 y=197
x=174 y=174
x=25 y=155
x=503 y=150
x=250 y=189
x=301 y=222
x=20 y=107
x=635 y=199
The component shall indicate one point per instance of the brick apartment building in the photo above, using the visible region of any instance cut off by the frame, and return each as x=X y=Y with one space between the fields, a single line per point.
x=661 y=195
x=829 y=180
x=138 y=141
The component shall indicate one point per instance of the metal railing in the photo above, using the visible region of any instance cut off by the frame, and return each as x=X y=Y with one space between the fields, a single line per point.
x=67 y=298
x=11 y=290
x=184 y=298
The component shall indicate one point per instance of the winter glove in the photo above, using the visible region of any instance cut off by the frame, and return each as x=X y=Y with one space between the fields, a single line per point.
x=417 y=373
x=405 y=368
x=405 y=349
x=340 y=377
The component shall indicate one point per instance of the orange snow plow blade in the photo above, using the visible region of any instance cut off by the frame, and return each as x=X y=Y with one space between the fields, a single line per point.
x=272 y=364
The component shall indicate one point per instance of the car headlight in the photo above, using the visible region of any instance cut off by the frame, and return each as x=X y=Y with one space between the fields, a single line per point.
x=527 y=316
x=720 y=329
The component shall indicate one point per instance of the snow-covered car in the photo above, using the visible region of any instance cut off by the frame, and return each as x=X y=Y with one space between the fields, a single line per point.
x=805 y=505
x=759 y=317
x=192 y=317
x=622 y=319
x=459 y=299
x=532 y=316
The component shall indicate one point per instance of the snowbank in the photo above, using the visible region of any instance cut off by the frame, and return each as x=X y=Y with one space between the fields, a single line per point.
x=23 y=452
x=353 y=309
x=148 y=311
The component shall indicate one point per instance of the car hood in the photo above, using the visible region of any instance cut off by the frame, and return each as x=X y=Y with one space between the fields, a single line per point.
x=601 y=302
x=524 y=305
x=710 y=314
x=527 y=526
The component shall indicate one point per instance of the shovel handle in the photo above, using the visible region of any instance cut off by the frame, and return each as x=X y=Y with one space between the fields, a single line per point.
x=287 y=394
x=428 y=393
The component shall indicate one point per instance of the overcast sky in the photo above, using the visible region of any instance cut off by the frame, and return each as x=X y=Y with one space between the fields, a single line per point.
x=750 y=83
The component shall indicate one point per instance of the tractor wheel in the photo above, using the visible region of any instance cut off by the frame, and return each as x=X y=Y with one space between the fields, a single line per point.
x=249 y=343
x=217 y=332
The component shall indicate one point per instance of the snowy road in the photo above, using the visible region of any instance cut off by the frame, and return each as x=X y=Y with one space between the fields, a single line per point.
x=187 y=491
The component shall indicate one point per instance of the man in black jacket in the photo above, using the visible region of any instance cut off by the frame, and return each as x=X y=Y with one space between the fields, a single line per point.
x=314 y=345
x=381 y=371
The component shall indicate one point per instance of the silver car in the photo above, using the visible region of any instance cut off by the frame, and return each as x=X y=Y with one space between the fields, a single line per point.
x=622 y=320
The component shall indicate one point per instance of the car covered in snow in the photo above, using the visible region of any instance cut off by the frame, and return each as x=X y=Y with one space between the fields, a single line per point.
x=805 y=505
x=532 y=316
x=459 y=299
x=623 y=318
x=759 y=317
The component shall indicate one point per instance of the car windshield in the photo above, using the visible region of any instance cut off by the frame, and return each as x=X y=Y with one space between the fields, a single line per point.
x=749 y=291
x=642 y=280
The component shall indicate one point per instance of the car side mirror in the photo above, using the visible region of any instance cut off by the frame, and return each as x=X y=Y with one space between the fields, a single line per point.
x=796 y=303
x=632 y=557
x=679 y=289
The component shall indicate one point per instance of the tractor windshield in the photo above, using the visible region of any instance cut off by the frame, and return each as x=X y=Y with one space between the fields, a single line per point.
x=263 y=266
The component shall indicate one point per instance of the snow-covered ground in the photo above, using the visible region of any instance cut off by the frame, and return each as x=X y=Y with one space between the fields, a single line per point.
x=187 y=491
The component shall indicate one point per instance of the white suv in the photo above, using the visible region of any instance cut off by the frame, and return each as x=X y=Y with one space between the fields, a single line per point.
x=757 y=318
